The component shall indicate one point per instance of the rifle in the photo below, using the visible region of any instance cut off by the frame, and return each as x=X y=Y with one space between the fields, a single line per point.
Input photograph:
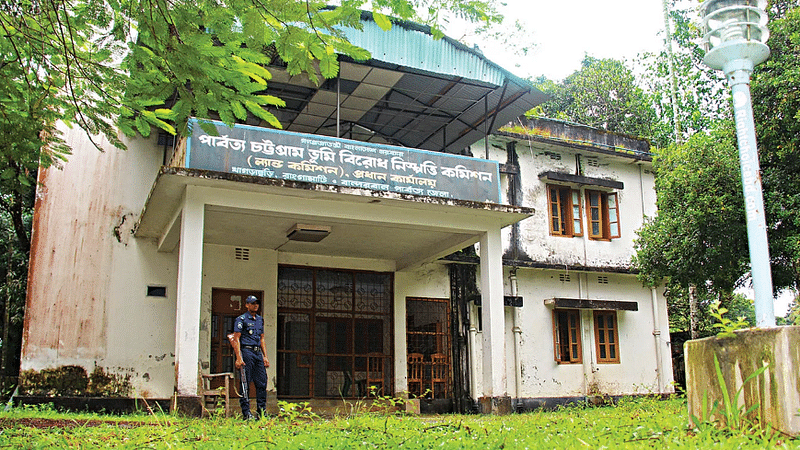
x=243 y=376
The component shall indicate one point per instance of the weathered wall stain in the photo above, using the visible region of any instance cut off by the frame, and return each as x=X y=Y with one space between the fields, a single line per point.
x=74 y=381
x=125 y=228
x=69 y=274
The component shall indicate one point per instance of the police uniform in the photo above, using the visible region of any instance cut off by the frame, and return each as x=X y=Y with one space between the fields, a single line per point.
x=251 y=329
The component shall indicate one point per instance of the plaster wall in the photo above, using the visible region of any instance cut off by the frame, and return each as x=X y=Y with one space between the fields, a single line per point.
x=542 y=376
x=87 y=300
x=221 y=269
x=636 y=200
x=759 y=367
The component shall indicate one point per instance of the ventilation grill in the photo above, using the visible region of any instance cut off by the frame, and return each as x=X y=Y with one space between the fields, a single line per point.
x=553 y=156
x=243 y=254
x=602 y=280
x=563 y=277
x=156 y=291
x=593 y=162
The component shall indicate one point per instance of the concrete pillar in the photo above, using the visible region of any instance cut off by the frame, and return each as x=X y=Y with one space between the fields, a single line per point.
x=187 y=320
x=495 y=397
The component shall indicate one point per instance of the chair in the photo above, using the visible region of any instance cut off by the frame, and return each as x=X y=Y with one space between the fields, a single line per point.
x=440 y=374
x=415 y=373
x=212 y=395
x=375 y=372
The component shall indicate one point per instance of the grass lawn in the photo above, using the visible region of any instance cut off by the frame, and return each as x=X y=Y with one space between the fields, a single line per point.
x=633 y=423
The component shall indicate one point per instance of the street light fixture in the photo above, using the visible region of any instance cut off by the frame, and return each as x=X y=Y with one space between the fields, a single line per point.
x=734 y=38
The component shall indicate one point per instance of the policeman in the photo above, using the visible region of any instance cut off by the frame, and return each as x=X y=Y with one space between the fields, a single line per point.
x=251 y=353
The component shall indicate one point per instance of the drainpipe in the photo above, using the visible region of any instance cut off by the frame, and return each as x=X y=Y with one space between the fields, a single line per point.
x=517 y=332
x=473 y=353
x=657 y=337
x=586 y=336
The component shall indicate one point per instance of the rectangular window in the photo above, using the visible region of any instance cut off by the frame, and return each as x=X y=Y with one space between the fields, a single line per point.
x=606 y=336
x=567 y=335
x=602 y=212
x=565 y=211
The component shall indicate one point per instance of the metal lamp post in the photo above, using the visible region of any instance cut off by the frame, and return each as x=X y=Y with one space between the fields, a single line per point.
x=734 y=38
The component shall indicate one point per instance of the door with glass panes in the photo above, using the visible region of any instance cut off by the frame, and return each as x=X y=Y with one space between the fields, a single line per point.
x=334 y=333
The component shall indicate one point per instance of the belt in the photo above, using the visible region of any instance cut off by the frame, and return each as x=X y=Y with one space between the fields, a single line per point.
x=254 y=348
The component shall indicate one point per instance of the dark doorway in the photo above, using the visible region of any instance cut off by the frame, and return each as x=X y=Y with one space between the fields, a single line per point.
x=428 y=347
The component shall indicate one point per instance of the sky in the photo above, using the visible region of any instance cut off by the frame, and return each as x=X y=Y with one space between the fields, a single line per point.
x=564 y=31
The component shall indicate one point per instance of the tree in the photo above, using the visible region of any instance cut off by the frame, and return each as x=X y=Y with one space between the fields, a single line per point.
x=696 y=238
x=720 y=255
x=701 y=94
x=13 y=283
x=137 y=64
x=602 y=94
x=793 y=316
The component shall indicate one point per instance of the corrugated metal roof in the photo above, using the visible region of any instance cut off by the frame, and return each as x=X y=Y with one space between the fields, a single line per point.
x=413 y=46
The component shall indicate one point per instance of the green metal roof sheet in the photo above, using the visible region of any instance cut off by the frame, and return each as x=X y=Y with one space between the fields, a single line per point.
x=413 y=46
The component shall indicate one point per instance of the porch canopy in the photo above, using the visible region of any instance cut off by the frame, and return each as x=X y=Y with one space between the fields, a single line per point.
x=247 y=211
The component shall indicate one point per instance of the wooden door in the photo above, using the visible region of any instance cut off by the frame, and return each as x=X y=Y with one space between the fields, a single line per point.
x=226 y=305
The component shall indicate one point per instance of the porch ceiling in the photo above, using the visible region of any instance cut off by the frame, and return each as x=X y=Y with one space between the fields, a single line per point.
x=257 y=212
x=396 y=107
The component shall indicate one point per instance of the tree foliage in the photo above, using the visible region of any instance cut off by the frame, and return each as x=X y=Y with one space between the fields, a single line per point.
x=603 y=93
x=696 y=238
x=665 y=244
x=95 y=61
x=701 y=95
x=139 y=64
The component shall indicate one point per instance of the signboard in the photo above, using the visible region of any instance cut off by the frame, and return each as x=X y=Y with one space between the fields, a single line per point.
x=311 y=158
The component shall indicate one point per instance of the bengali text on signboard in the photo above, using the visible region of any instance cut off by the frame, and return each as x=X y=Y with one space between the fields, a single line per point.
x=285 y=155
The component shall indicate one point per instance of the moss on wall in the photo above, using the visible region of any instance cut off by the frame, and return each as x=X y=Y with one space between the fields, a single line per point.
x=70 y=381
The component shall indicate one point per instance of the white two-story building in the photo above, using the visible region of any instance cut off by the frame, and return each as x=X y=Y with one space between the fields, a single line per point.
x=396 y=238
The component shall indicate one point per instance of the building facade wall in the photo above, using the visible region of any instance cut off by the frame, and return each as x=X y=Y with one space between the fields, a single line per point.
x=87 y=294
x=88 y=302
x=636 y=200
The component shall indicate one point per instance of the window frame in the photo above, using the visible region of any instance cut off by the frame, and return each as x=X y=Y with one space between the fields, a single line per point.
x=573 y=335
x=565 y=203
x=607 y=208
x=606 y=338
